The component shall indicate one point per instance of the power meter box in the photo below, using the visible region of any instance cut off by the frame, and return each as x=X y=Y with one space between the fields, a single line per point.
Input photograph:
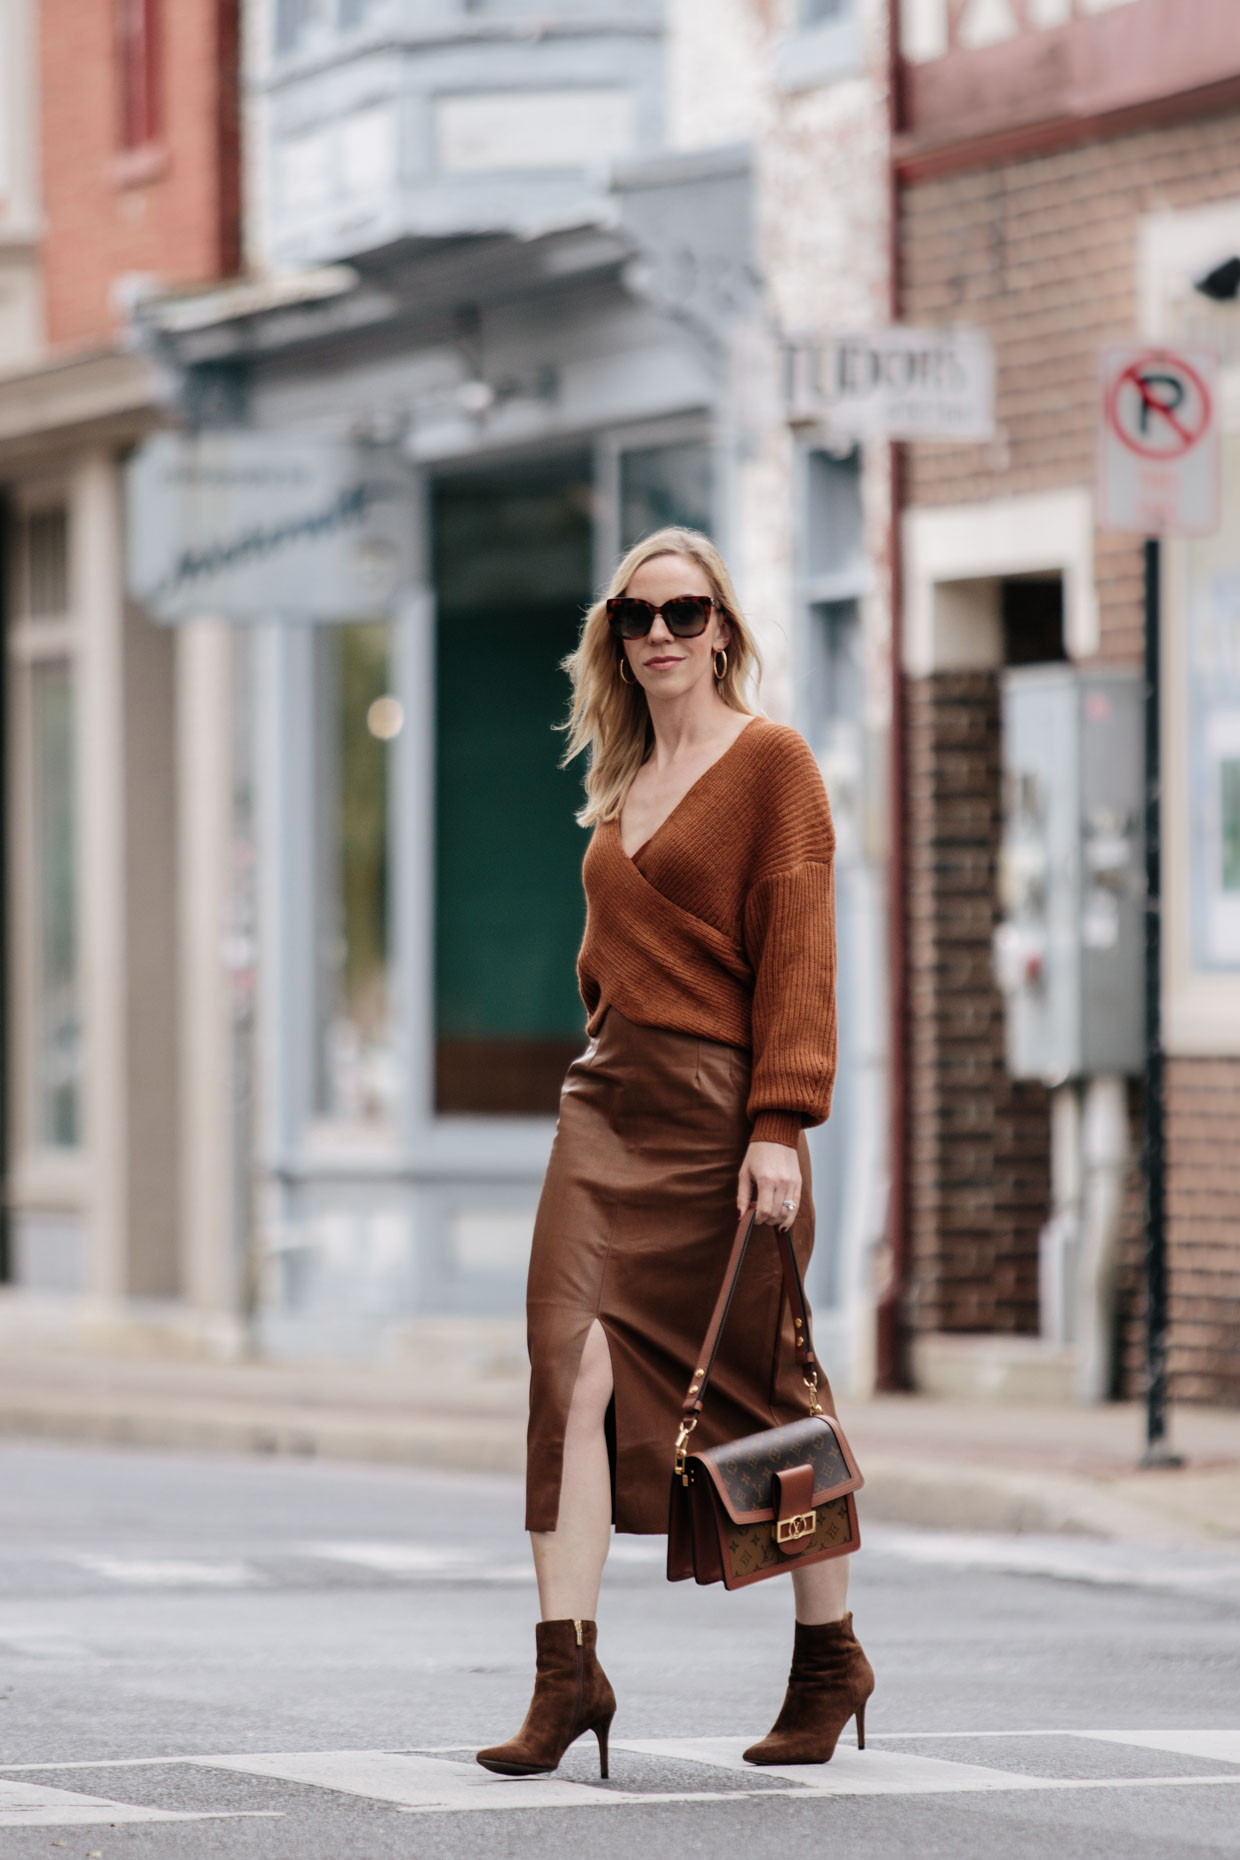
x=1069 y=949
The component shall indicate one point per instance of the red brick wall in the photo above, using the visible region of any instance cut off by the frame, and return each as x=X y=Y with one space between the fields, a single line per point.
x=178 y=219
x=1203 y=1210
x=978 y=1176
x=1043 y=253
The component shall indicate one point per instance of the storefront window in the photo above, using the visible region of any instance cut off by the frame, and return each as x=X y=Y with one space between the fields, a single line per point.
x=664 y=484
x=58 y=1031
x=357 y=719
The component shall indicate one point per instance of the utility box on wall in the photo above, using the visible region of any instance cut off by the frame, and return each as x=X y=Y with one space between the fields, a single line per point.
x=1069 y=951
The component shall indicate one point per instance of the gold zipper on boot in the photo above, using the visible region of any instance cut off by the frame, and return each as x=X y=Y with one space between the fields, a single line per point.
x=580 y=1637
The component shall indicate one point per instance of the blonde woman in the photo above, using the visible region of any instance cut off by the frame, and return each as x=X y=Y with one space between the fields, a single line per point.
x=708 y=976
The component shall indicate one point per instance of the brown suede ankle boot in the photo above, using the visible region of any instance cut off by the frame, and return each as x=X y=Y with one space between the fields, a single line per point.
x=830 y=1681
x=572 y=1694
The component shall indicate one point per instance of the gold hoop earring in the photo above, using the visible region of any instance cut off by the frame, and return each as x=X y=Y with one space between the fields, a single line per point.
x=626 y=677
x=721 y=671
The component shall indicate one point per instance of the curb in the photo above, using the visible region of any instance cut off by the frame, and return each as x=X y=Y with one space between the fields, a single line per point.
x=949 y=1491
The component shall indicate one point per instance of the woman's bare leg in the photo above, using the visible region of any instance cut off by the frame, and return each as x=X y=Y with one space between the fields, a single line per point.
x=568 y=1561
x=821 y=1591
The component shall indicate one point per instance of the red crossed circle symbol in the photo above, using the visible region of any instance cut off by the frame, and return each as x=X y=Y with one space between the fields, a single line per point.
x=1159 y=406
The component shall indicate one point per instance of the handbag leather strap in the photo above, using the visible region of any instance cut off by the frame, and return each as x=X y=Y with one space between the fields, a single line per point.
x=794 y=1291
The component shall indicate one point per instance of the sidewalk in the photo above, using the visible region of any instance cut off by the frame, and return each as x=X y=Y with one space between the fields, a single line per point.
x=460 y=1403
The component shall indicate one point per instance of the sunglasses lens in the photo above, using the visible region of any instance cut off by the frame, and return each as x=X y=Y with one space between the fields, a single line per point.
x=630 y=619
x=687 y=615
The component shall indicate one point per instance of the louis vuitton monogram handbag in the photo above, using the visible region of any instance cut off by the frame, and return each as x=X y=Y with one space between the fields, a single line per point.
x=772 y=1501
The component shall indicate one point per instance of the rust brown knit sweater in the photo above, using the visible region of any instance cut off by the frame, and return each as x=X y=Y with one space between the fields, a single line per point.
x=723 y=924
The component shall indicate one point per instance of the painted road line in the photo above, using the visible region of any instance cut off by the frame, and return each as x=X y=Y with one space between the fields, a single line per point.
x=1217 y=1746
x=426 y=1562
x=426 y=1782
x=411 y=1781
x=393 y=1559
x=873 y=1772
x=1110 y=1565
x=416 y=1781
x=33 y=1805
x=167 y=1572
x=850 y=1772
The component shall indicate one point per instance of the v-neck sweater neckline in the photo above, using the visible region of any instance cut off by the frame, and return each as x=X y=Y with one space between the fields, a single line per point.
x=687 y=796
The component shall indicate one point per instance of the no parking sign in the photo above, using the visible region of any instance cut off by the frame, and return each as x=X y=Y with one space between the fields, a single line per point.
x=1159 y=441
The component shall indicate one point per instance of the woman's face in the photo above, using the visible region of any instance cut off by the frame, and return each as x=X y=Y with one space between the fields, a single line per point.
x=663 y=665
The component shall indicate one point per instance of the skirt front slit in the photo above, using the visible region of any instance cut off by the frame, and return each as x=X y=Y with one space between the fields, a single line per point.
x=634 y=1226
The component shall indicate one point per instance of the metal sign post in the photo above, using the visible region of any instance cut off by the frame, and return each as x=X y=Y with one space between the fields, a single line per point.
x=1157 y=1452
x=1158 y=474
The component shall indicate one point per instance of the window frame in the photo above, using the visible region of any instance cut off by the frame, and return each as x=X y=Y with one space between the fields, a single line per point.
x=140 y=75
x=41 y=1173
x=609 y=449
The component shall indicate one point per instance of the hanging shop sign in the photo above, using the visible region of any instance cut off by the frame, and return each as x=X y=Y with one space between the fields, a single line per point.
x=248 y=526
x=1159 y=460
x=895 y=383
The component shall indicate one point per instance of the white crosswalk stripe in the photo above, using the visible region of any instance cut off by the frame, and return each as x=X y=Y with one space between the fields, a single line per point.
x=33 y=1805
x=438 y=1781
x=168 y=1572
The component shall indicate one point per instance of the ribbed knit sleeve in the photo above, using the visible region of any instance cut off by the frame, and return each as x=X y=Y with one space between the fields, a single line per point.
x=790 y=940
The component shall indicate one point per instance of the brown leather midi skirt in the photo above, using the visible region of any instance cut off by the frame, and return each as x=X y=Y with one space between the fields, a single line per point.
x=636 y=1220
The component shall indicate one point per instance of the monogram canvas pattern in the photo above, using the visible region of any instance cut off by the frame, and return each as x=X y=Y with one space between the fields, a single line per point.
x=749 y=1550
x=746 y=1468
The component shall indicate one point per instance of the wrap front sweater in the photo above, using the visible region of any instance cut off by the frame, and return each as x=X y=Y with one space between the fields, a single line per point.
x=723 y=924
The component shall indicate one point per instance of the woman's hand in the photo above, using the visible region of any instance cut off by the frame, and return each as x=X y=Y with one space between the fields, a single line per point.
x=770 y=1175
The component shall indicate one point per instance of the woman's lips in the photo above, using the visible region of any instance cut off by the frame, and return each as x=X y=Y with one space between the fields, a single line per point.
x=655 y=663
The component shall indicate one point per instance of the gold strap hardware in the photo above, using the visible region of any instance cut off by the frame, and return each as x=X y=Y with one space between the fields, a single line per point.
x=811 y=1383
x=686 y=1428
x=788 y=1530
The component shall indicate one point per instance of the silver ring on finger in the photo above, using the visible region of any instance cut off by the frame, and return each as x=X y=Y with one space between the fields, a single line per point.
x=791 y=1206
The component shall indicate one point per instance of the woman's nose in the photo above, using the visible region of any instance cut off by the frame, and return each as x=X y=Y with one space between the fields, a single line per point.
x=659 y=628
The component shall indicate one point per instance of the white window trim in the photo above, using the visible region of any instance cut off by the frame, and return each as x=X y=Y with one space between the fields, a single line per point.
x=1201 y=1008
x=945 y=629
x=39 y=1175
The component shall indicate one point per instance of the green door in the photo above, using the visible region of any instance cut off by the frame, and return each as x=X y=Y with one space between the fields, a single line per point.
x=512 y=580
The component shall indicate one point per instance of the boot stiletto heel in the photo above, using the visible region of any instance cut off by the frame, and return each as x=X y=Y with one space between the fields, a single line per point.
x=861 y=1727
x=602 y=1731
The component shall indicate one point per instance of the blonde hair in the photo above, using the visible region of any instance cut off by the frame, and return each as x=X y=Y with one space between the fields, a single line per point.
x=609 y=720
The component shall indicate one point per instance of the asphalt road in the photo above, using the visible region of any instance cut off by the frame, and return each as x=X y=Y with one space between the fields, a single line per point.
x=207 y=1657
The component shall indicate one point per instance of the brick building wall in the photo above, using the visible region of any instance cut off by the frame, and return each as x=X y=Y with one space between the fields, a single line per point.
x=978 y=1182
x=1203 y=1222
x=169 y=209
x=1043 y=253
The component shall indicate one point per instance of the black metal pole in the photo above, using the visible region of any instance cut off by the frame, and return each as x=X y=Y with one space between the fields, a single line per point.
x=1156 y=1452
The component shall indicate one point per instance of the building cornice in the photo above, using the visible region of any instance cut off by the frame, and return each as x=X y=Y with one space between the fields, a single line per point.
x=111 y=395
x=277 y=75
x=926 y=158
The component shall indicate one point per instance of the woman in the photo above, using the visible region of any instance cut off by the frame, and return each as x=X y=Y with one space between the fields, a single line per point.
x=708 y=975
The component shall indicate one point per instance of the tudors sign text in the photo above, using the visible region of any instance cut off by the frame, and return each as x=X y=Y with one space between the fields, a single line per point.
x=247 y=526
x=895 y=383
